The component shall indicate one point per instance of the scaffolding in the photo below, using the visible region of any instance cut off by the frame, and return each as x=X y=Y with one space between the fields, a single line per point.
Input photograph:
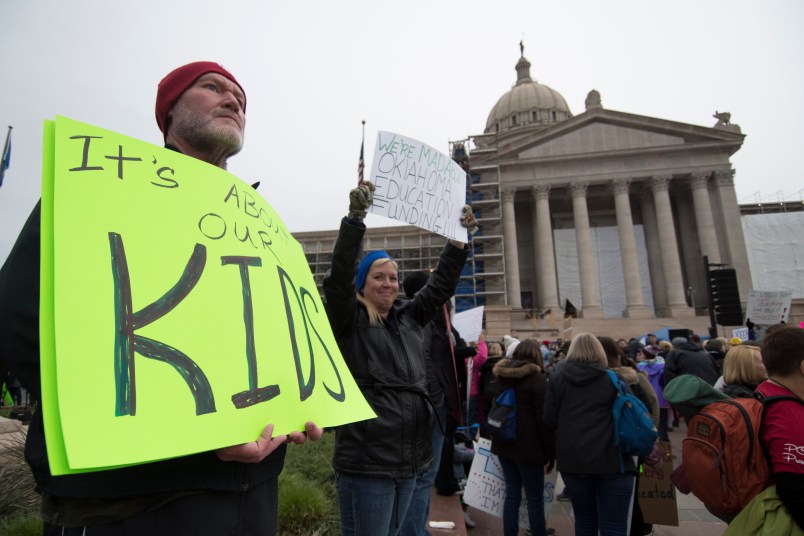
x=483 y=278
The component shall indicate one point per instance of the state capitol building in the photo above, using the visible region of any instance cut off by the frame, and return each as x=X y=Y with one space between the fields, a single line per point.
x=605 y=215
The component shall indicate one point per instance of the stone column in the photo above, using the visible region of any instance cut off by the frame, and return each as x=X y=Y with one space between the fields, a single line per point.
x=654 y=248
x=735 y=239
x=635 y=303
x=511 y=254
x=544 y=249
x=676 y=302
x=703 y=216
x=590 y=289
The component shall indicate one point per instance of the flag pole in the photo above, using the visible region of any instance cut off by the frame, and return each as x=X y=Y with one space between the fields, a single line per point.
x=360 y=163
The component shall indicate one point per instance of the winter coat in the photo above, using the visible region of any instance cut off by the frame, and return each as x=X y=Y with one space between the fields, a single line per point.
x=654 y=369
x=736 y=390
x=642 y=388
x=387 y=362
x=687 y=358
x=578 y=405
x=535 y=442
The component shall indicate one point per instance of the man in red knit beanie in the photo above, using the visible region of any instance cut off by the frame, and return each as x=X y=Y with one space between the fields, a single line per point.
x=200 y=109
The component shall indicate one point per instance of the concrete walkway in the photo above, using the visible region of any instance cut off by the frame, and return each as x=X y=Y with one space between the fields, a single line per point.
x=694 y=519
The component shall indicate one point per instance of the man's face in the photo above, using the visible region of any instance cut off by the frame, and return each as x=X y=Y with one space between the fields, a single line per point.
x=652 y=339
x=209 y=115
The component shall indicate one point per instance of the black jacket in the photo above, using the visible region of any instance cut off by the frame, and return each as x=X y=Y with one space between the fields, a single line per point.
x=387 y=362
x=446 y=378
x=19 y=351
x=687 y=358
x=578 y=405
x=535 y=442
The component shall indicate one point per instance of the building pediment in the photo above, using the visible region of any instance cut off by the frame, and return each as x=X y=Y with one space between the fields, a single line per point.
x=609 y=132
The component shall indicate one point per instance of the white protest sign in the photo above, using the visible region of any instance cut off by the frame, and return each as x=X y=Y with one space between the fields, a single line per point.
x=741 y=333
x=418 y=185
x=768 y=307
x=485 y=487
x=469 y=323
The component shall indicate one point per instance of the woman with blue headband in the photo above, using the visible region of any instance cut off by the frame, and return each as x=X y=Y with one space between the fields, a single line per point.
x=380 y=336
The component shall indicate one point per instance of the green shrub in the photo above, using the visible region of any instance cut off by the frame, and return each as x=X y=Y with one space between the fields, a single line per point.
x=21 y=524
x=307 y=499
x=19 y=503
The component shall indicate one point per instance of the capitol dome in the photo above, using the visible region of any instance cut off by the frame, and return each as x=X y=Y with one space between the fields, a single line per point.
x=527 y=104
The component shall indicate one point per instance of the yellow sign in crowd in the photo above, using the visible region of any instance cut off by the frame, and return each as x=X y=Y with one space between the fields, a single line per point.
x=178 y=314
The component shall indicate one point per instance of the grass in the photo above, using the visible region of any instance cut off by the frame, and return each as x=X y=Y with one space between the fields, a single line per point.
x=307 y=499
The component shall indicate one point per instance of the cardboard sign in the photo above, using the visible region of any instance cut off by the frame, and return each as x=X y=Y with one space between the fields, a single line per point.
x=418 y=185
x=178 y=314
x=768 y=307
x=485 y=487
x=657 y=494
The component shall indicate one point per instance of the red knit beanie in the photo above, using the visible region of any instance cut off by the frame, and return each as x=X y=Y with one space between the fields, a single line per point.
x=174 y=84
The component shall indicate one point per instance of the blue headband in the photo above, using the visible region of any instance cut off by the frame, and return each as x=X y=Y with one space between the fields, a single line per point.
x=365 y=264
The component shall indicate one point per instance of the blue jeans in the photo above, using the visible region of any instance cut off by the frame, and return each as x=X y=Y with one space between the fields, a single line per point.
x=419 y=509
x=600 y=502
x=372 y=506
x=517 y=475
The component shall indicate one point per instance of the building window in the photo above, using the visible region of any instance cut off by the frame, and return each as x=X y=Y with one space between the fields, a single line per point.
x=496 y=127
x=534 y=115
x=513 y=120
x=554 y=116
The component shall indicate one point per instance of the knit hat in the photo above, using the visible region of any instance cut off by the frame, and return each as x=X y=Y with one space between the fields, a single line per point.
x=176 y=83
x=510 y=345
x=414 y=282
x=365 y=264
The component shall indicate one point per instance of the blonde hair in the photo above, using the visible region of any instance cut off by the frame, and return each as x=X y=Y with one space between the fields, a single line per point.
x=375 y=318
x=740 y=366
x=665 y=345
x=495 y=349
x=586 y=348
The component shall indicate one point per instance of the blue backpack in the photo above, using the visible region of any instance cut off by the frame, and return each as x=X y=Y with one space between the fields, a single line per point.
x=502 y=416
x=634 y=433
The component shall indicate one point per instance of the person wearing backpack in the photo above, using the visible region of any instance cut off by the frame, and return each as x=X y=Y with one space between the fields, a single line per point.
x=531 y=453
x=782 y=429
x=578 y=405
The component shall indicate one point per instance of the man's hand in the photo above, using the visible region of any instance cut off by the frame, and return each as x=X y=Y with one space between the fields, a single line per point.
x=311 y=432
x=468 y=220
x=253 y=452
x=360 y=200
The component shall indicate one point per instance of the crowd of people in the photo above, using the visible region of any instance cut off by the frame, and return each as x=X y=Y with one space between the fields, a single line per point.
x=430 y=390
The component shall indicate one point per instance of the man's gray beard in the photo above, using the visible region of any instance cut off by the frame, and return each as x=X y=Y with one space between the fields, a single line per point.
x=204 y=134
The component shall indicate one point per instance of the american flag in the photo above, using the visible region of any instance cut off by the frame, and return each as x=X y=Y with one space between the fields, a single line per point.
x=360 y=165
x=6 y=160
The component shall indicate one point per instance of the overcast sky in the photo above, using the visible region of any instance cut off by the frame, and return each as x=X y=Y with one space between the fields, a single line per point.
x=431 y=70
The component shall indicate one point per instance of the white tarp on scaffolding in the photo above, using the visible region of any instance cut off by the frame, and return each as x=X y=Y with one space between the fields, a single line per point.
x=606 y=253
x=775 y=244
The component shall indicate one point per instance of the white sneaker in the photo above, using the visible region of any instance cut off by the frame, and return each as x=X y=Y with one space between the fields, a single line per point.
x=468 y=521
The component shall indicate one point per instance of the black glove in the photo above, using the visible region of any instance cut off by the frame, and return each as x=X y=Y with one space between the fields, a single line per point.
x=468 y=220
x=360 y=200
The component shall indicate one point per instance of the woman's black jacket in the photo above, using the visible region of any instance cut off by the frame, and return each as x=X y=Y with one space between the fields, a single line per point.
x=387 y=362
